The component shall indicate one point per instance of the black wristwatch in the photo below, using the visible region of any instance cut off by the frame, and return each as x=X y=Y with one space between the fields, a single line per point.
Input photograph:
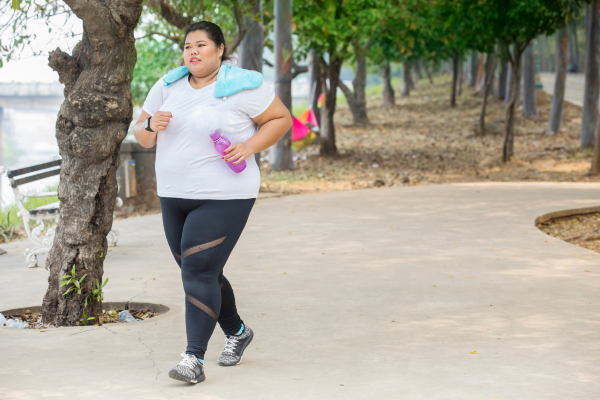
x=148 y=124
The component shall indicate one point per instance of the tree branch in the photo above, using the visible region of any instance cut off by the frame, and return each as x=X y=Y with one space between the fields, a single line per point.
x=347 y=92
x=298 y=69
x=266 y=62
x=151 y=33
x=242 y=29
x=169 y=14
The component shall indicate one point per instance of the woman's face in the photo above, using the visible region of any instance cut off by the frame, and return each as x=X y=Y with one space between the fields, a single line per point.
x=200 y=54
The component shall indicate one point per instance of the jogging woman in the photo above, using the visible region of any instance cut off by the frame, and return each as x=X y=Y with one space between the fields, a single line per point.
x=205 y=205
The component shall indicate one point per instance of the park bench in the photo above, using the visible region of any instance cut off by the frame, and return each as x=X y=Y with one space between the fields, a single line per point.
x=39 y=235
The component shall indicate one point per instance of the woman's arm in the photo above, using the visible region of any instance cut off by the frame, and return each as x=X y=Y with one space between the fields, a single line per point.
x=159 y=122
x=274 y=122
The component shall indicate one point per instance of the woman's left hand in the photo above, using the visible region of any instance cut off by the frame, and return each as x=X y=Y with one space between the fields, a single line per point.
x=238 y=152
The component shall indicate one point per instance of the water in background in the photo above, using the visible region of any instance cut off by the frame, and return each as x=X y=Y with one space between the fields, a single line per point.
x=29 y=139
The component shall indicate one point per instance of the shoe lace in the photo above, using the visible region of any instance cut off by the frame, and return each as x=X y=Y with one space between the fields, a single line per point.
x=230 y=344
x=189 y=360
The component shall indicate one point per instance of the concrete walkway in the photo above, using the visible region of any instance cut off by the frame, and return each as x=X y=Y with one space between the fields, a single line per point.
x=573 y=91
x=371 y=294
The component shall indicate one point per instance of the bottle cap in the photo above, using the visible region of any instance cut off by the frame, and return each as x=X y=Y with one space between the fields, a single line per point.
x=216 y=134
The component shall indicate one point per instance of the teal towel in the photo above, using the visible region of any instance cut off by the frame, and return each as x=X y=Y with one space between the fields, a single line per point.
x=230 y=79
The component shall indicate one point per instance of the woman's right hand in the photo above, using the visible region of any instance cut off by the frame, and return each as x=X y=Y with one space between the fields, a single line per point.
x=160 y=120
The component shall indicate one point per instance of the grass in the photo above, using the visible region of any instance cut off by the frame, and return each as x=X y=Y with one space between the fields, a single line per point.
x=11 y=225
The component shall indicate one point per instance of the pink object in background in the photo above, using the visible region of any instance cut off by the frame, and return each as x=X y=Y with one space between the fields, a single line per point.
x=308 y=116
x=299 y=130
x=221 y=144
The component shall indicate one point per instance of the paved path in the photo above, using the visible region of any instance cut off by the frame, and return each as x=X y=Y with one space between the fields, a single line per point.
x=370 y=294
x=573 y=91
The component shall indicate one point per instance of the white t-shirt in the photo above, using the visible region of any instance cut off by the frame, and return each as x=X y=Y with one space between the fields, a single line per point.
x=187 y=164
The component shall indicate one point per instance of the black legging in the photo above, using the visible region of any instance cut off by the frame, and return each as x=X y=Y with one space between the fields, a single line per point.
x=201 y=235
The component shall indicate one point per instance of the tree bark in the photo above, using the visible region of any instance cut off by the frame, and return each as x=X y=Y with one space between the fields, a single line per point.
x=501 y=91
x=573 y=48
x=251 y=47
x=314 y=73
x=329 y=72
x=529 y=100
x=417 y=69
x=509 y=114
x=410 y=80
x=454 y=80
x=357 y=99
x=589 y=118
x=480 y=72
x=388 y=90
x=405 y=89
x=92 y=123
x=474 y=68
x=490 y=66
x=428 y=73
x=559 y=83
x=281 y=152
x=460 y=77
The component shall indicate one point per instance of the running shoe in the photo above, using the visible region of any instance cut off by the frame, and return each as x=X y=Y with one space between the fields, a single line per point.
x=235 y=346
x=190 y=369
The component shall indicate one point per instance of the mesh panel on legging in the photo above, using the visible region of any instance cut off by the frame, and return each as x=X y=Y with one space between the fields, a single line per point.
x=193 y=229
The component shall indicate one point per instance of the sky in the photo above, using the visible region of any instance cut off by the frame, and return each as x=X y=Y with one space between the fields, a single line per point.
x=35 y=68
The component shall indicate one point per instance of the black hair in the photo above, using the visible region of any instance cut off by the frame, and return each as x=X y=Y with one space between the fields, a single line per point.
x=214 y=33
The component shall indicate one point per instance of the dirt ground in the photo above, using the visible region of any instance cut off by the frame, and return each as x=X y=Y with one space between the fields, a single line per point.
x=422 y=140
x=581 y=230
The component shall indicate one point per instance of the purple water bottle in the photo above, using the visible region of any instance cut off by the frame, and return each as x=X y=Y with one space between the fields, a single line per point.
x=221 y=144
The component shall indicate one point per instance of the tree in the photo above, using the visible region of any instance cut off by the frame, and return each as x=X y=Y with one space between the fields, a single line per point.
x=356 y=98
x=529 y=100
x=388 y=90
x=515 y=23
x=490 y=66
x=92 y=122
x=559 y=83
x=330 y=27
x=589 y=117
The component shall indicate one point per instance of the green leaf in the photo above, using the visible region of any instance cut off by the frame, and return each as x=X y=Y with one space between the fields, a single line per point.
x=105 y=282
x=16 y=4
x=90 y=318
x=63 y=283
x=67 y=292
x=65 y=276
x=82 y=278
x=77 y=284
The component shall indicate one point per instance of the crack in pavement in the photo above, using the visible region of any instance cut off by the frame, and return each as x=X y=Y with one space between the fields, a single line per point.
x=139 y=339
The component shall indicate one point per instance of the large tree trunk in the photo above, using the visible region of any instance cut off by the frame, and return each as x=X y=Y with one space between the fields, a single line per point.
x=281 y=152
x=427 y=72
x=405 y=89
x=314 y=76
x=474 y=68
x=357 y=99
x=509 y=114
x=329 y=72
x=589 y=118
x=529 y=100
x=559 y=83
x=251 y=48
x=490 y=66
x=454 y=80
x=501 y=91
x=388 y=90
x=92 y=122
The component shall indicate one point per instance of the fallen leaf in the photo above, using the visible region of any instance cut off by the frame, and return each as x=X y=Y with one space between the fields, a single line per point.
x=473 y=352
